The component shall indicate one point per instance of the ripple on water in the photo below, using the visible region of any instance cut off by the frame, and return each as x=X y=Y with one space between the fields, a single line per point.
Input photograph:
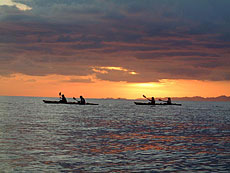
x=114 y=136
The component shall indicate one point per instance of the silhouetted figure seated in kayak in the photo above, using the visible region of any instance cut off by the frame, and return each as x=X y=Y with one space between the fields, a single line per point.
x=82 y=100
x=63 y=99
x=169 y=102
x=152 y=101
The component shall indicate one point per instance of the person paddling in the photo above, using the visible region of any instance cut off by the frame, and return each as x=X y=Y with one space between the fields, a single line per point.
x=152 y=100
x=63 y=99
x=168 y=102
x=82 y=100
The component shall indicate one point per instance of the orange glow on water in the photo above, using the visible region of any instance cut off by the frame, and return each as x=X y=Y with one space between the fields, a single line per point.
x=155 y=142
x=120 y=142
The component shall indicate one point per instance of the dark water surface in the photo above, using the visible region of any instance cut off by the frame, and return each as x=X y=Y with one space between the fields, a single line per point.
x=115 y=136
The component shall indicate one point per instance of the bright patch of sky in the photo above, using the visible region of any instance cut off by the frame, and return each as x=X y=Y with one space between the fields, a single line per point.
x=20 y=6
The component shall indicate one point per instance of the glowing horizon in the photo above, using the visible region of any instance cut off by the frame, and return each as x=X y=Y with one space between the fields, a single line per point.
x=50 y=86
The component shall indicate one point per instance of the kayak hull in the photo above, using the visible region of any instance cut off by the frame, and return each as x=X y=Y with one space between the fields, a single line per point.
x=73 y=103
x=157 y=104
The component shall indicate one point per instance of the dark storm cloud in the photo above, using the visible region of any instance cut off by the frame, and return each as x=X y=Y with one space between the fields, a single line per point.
x=156 y=55
x=156 y=38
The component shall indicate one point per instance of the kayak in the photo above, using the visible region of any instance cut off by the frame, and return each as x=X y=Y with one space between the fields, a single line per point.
x=158 y=104
x=75 y=103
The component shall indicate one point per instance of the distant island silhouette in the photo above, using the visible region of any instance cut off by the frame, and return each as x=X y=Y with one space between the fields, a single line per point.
x=198 y=98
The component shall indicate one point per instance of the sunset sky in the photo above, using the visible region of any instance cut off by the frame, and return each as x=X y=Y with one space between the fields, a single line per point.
x=115 y=48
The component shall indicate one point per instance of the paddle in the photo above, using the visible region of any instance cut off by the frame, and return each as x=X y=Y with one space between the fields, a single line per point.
x=76 y=99
x=146 y=97
x=162 y=100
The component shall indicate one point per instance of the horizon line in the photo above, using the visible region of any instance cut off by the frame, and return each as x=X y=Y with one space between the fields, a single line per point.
x=121 y=98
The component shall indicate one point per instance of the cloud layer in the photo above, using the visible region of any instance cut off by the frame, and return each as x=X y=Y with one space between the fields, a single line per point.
x=156 y=39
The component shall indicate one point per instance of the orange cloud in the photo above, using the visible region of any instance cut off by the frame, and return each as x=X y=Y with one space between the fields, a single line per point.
x=118 y=45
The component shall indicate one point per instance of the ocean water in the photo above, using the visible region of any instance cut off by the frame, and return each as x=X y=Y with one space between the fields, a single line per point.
x=115 y=136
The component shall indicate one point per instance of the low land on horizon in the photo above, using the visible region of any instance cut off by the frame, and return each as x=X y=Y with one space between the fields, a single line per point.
x=195 y=98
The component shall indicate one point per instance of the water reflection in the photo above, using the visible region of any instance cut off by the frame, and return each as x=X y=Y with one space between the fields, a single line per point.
x=112 y=137
x=151 y=140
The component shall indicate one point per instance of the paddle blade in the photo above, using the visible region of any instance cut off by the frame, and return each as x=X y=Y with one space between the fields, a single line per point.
x=59 y=93
x=144 y=96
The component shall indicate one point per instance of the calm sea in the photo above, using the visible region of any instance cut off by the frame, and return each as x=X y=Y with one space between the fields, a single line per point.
x=115 y=136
